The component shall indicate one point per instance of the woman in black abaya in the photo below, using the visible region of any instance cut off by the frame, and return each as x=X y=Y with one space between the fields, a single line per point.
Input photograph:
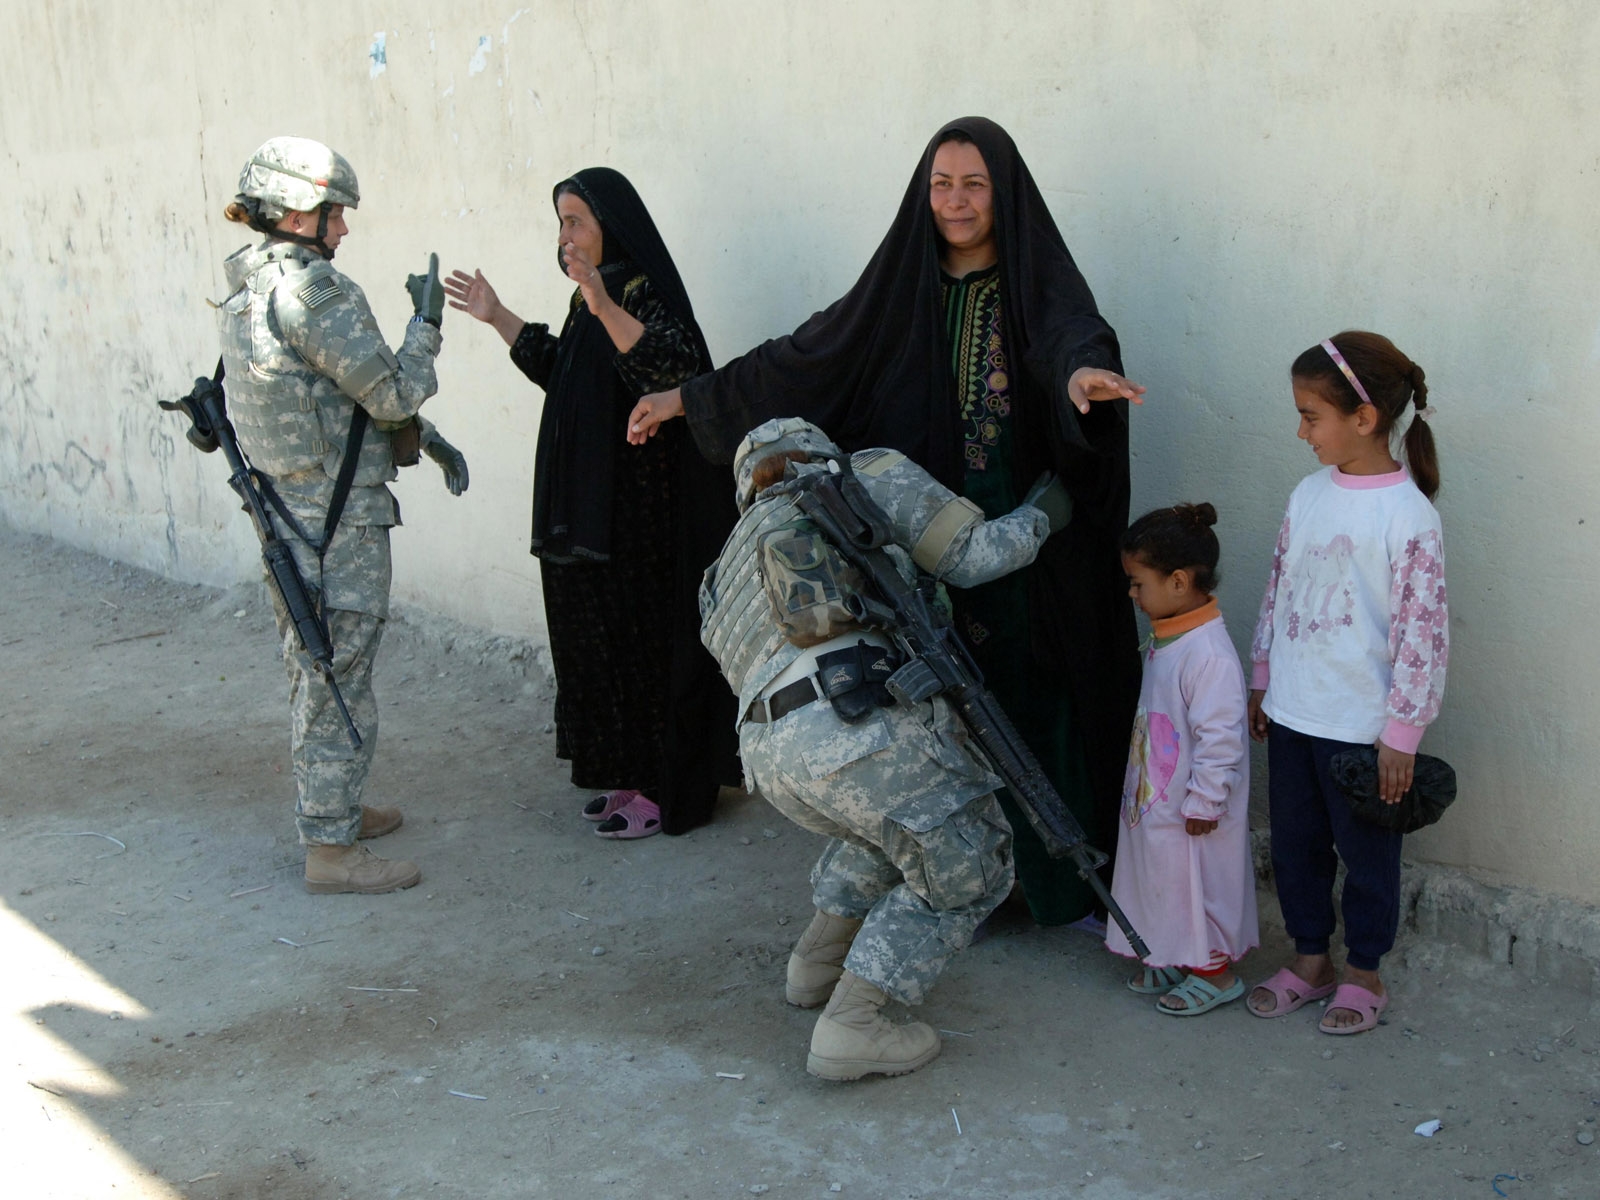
x=622 y=532
x=972 y=343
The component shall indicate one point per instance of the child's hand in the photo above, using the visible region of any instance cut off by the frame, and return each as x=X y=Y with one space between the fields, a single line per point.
x=1256 y=719
x=1196 y=827
x=1394 y=773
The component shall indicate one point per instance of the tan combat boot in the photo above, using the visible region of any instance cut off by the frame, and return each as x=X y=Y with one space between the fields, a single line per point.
x=818 y=959
x=851 y=1038
x=332 y=869
x=375 y=822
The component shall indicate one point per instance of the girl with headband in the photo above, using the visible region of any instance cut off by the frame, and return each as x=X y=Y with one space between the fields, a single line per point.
x=1349 y=651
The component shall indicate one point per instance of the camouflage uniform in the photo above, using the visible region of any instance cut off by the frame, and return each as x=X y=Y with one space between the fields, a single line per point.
x=301 y=349
x=920 y=849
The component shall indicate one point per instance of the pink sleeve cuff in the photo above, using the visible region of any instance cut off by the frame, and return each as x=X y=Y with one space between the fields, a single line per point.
x=1402 y=737
x=1259 y=673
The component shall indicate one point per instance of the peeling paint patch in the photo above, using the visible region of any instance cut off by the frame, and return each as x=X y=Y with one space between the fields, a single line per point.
x=378 y=53
x=480 y=59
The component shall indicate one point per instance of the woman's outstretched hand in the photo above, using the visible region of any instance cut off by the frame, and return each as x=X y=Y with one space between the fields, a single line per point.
x=473 y=295
x=650 y=412
x=1089 y=384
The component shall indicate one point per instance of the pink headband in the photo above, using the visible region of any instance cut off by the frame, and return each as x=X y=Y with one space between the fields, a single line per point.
x=1338 y=361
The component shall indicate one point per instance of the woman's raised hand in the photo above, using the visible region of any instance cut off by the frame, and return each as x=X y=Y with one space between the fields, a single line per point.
x=472 y=295
x=650 y=412
x=1089 y=384
x=587 y=276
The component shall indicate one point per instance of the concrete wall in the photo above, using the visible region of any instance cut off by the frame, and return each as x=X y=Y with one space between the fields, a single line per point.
x=1237 y=179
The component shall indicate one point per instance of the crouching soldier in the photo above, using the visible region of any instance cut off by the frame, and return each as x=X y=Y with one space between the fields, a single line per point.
x=920 y=851
x=324 y=410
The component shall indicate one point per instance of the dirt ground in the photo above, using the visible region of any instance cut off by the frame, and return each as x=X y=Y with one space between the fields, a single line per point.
x=550 y=1014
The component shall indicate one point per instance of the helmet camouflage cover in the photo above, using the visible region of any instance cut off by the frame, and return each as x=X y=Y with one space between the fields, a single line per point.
x=293 y=174
x=774 y=437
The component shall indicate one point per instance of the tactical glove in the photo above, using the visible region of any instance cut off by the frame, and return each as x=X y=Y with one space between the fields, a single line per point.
x=427 y=296
x=451 y=461
x=1050 y=496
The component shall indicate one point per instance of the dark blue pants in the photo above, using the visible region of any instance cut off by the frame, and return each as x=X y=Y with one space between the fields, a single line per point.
x=1311 y=819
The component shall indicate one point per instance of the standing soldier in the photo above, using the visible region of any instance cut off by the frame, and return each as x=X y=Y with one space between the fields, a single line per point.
x=920 y=850
x=325 y=411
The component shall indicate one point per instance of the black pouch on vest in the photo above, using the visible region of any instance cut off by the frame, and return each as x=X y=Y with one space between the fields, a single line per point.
x=853 y=679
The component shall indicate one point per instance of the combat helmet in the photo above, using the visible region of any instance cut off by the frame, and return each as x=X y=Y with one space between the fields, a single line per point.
x=294 y=174
x=774 y=437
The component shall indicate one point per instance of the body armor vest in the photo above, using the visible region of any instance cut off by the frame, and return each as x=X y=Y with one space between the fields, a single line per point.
x=289 y=416
x=736 y=622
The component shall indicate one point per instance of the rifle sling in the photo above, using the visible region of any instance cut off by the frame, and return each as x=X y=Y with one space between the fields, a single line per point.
x=341 y=488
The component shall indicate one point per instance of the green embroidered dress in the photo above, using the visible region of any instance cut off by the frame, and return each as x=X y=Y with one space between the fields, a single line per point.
x=994 y=618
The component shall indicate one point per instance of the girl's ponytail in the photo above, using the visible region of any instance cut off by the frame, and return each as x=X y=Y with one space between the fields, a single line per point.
x=1421 y=456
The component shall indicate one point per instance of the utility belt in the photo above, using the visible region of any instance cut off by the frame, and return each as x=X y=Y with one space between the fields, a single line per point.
x=849 y=671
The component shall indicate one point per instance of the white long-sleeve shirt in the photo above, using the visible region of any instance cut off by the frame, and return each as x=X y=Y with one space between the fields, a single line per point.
x=1354 y=636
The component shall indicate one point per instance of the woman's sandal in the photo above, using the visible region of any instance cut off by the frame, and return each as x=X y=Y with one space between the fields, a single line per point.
x=1200 y=996
x=1291 y=993
x=1156 y=981
x=1357 y=999
x=603 y=805
x=638 y=818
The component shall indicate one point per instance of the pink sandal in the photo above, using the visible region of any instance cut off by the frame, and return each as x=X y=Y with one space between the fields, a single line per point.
x=638 y=818
x=1357 y=999
x=1290 y=991
x=603 y=805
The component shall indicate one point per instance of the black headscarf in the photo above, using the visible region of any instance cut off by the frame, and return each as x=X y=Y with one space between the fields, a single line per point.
x=586 y=402
x=874 y=369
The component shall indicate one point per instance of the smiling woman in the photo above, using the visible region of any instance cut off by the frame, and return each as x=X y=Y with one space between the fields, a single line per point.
x=972 y=344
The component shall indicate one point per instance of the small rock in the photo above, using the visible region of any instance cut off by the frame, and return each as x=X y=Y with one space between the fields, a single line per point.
x=549 y=727
x=759 y=1189
x=1585 y=1137
x=598 y=951
x=1537 y=1057
x=586 y=881
x=836 y=1187
x=238 y=613
x=744 y=841
x=627 y=1058
x=769 y=833
x=1327 y=1054
x=783 y=920
x=1545 y=1048
x=1199 y=1145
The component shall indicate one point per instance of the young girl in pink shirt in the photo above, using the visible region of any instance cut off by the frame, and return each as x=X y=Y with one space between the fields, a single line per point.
x=1349 y=652
x=1183 y=872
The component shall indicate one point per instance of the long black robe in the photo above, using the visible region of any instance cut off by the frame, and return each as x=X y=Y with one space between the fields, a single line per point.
x=873 y=369
x=675 y=741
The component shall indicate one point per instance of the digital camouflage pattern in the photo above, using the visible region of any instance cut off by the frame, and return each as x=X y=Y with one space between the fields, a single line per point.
x=301 y=348
x=298 y=174
x=920 y=851
x=329 y=773
x=813 y=589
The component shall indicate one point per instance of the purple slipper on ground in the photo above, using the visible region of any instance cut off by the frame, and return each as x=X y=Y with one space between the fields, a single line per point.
x=603 y=805
x=1291 y=992
x=1356 y=999
x=638 y=818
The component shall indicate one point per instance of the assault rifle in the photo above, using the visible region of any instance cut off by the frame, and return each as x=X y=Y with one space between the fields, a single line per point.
x=938 y=663
x=206 y=408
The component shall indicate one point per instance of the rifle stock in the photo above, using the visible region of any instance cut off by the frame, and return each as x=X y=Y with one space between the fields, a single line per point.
x=939 y=663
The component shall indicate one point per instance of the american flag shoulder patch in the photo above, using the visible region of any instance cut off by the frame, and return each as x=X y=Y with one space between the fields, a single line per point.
x=319 y=291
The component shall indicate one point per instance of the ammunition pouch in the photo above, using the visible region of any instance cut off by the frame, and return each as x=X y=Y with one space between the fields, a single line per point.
x=405 y=443
x=855 y=679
